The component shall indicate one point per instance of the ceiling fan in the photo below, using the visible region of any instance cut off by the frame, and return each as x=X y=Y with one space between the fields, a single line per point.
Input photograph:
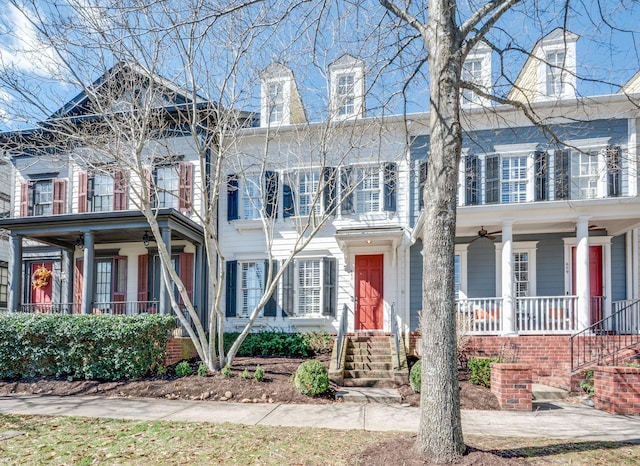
x=482 y=233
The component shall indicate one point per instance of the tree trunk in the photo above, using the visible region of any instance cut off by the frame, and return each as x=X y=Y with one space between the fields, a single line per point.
x=440 y=432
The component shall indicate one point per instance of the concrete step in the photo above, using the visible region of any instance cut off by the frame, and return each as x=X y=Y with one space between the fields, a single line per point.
x=373 y=374
x=368 y=395
x=367 y=358
x=369 y=382
x=367 y=351
x=546 y=393
x=368 y=366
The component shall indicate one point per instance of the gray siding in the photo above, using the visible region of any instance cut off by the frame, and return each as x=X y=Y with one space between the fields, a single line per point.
x=415 y=284
x=481 y=269
x=549 y=263
x=618 y=269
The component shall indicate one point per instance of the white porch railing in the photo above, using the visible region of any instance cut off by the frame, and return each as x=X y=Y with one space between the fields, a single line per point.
x=546 y=314
x=480 y=316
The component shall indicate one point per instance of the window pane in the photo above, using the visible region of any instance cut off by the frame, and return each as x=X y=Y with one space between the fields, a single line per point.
x=368 y=190
x=555 y=62
x=308 y=192
x=346 y=95
x=103 y=284
x=43 y=197
x=167 y=186
x=514 y=179
x=521 y=273
x=587 y=175
x=4 y=286
x=309 y=289
x=456 y=276
x=472 y=73
x=251 y=198
x=275 y=93
x=252 y=286
x=102 y=200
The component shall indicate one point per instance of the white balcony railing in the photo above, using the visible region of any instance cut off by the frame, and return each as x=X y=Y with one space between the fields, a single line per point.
x=480 y=316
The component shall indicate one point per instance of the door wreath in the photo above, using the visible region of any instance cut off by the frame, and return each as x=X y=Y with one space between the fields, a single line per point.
x=40 y=278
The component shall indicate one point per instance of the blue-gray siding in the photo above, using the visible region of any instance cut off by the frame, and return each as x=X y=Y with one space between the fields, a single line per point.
x=618 y=269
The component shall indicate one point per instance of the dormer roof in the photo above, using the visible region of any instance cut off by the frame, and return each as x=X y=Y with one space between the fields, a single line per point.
x=346 y=88
x=293 y=109
x=632 y=86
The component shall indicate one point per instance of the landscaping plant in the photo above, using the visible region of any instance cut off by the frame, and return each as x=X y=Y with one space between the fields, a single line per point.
x=245 y=374
x=480 y=371
x=203 y=371
x=415 y=376
x=311 y=378
x=183 y=369
x=259 y=374
x=226 y=372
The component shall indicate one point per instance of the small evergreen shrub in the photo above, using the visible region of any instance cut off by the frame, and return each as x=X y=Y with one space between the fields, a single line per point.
x=311 y=378
x=271 y=343
x=183 y=369
x=203 y=370
x=415 y=376
x=259 y=374
x=245 y=374
x=226 y=372
x=480 y=371
x=161 y=371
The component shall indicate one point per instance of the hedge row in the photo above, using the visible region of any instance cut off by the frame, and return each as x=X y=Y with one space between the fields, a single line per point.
x=279 y=343
x=98 y=347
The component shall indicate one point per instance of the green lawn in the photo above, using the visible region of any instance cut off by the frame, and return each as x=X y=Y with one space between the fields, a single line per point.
x=84 y=441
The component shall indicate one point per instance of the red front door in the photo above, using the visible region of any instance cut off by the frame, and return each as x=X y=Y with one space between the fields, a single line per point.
x=369 y=285
x=41 y=290
x=596 y=288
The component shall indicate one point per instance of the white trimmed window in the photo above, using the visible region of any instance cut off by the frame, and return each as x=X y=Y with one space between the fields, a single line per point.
x=368 y=190
x=251 y=286
x=308 y=195
x=585 y=181
x=251 y=198
x=521 y=273
x=167 y=186
x=472 y=73
x=43 y=197
x=345 y=93
x=456 y=275
x=102 y=193
x=309 y=290
x=275 y=101
x=4 y=284
x=524 y=268
x=513 y=179
x=555 y=65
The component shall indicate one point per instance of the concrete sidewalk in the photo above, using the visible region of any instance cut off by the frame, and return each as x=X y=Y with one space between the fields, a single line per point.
x=562 y=420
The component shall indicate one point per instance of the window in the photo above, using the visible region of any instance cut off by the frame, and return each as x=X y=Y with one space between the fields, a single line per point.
x=373 y=187
x=309 y=287
x=308 y=199
x=246 y=196
x=43 y=197
x=524 y=258
x=521 y=274
x=5 y=205
x=111 y=284
x=368 y=190
x=456 y=275
x=102 y=193
x=167 y=185
x=345 y=92
x=4 y=284
x=472 y=73
x=251 y=285
x=514 y=179
x=102 y=295
x=275 y=104
x=555 y=65
x=251 y=198
x=585 y=184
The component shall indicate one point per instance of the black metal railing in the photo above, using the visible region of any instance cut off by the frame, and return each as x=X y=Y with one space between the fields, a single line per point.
x=342 y=334
x=603 y=342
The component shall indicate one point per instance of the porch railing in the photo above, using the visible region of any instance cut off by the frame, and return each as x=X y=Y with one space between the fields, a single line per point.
x=605 y=340
x=546 y=314
x=480 y=315
x=114 y=307
x=50 y=308
x=342 y=333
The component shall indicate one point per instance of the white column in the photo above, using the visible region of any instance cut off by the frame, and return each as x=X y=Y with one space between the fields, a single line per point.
x=508 y=308
x=635 y=261
x=582 y=273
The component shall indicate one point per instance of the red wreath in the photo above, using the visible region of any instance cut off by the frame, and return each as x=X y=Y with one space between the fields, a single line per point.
x=40 y=277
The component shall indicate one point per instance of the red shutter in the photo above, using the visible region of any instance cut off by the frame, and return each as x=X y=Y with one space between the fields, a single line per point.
x=119 y=284
x=143 y=277
x=186 y=187
x=59 y=196
x=77 y=285
x=119 y=191
x=24 y=199
x=83 y=188
x=186 y=274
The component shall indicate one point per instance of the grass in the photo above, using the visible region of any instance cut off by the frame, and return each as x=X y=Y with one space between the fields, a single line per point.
x=84 y=441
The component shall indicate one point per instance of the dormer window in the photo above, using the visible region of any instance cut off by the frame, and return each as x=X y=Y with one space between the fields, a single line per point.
x=346 y=95
x=346 y=89
x=476 y=71
x=472 y=73
x=280 y=102
x=275 y=101
x=555 y=64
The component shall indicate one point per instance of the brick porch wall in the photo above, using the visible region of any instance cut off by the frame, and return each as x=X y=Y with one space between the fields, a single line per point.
x=511 y=384
x=179 y=348
x=617 y=389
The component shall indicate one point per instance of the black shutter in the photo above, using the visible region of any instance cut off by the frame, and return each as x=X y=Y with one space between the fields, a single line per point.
x=561 y=173
x=232 y=198
x=422 y=181
x=272 y=304
x=390 y=186
x=492 y=180
x=329 y=191
x=232 y=283
x=346 y=190
x=470 y=179
x=288 y=208
x=329 y=286
x=540 y=167
x=271 y=194
x=614 y=185
x=288 y=280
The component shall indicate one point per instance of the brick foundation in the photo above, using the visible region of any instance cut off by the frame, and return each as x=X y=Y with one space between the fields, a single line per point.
x=511 y=384
x=179 y=348
x=617 y=389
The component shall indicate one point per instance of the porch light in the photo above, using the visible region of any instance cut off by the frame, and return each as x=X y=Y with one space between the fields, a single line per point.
x=80 y=241
x=146 y=239
x=368 y=241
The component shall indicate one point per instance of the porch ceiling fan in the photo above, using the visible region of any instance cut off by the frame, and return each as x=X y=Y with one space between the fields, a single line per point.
x=482 y=233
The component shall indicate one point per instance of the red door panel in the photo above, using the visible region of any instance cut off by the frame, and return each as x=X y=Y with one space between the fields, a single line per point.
x=41 y=296
x=369 y=298
x=596 y=288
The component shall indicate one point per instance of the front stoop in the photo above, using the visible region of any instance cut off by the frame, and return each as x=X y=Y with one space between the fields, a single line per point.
x=369 y=395
x=546 y=393
x=368 y=361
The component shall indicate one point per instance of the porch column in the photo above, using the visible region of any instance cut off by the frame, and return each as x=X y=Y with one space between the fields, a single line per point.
x=199 y=284
x=582 y=272
x=165 y=302
x=508 y=318
x=15 y=279
x=87 y=272
x=67 y=287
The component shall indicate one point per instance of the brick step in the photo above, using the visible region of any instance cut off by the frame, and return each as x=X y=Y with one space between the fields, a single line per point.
x=370 y=374
x=563 y=382
x=369 y=338
x=367 y=357
x=368 y=366
x=369 y=382
x=367 y=351
x=384 y=347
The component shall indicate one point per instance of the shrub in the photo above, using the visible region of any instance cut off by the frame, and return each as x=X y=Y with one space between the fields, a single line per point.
x=480 y=371
x=226 y=372
x=183 y=369
x=271 y=344
x=311 y=378
x=587 y=382
x=259 y=374
x=319 y=342
x=102 y=347
x=203 y=370
x=161 y=370
x=245 y=374
x=415 y=376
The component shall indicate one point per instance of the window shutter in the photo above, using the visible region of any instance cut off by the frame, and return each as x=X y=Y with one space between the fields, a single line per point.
x=185 y=189
x=613 y=160
x=186 y=260
x=422 y=181
x=148 y=191
x=83 y=199
x=540 y=166
x=119 y=292
x=346 y=190
x=119 y=191
x=561 y=172
x=59 y=196
x=329 y=191
x=390 y=186
x=232 y=198
x=470 y=179
x=78 y=279
x=492 y=181
x=232 y=283
x=143 y=279
x=288 y=297
x=271 y=307
x=288 y=207
x=329 y=286
x=25 y=193
x=271 y=194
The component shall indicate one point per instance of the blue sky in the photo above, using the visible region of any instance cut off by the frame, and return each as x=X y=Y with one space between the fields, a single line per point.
x=607 y=57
